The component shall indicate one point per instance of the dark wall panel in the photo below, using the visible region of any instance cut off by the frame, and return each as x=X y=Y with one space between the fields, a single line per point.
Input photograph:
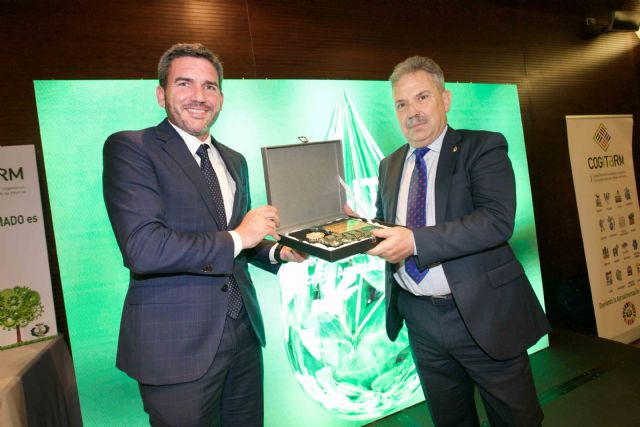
x=540 y=46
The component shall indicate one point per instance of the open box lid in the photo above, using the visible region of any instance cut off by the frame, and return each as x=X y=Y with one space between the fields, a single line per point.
x=302 y=182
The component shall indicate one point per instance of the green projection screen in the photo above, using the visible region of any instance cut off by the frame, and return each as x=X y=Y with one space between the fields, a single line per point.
x=77 y=116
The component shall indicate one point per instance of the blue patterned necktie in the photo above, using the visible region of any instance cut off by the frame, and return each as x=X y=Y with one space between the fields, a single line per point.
x=417 y=209
x=235 y=299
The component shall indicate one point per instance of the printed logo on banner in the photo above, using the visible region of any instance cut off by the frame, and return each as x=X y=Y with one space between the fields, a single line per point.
x=602 y=137
x=10 y=174
x=629 y=313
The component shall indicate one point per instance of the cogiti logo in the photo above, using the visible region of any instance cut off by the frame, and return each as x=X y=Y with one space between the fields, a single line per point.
x=629 y=313
x=602 y=137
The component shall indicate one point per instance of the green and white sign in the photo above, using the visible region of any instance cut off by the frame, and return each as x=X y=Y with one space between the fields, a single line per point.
x=26 y=300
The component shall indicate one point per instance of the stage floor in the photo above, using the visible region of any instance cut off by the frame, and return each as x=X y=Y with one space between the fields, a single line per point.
x=581 y=381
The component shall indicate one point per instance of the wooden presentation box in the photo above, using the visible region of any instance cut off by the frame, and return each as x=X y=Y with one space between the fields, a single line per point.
x=302 y=182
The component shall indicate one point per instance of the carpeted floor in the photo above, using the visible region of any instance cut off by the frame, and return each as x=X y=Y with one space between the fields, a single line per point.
x=581 y=381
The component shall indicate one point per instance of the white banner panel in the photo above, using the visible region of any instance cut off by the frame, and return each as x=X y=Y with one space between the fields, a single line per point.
x=602 y=163
x=26 y=301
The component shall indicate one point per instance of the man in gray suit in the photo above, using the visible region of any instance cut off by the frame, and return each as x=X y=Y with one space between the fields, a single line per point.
x=452 y=277
x=178 y=201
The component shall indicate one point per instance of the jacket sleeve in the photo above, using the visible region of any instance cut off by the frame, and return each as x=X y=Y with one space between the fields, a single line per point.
x=138 y=214
x=481 y=203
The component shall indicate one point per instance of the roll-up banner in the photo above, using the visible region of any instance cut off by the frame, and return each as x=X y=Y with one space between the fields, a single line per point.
x=26 y=301
x=600 y=148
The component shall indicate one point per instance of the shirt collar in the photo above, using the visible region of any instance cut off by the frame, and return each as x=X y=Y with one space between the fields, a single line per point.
x=193 y=143
x=434 y=146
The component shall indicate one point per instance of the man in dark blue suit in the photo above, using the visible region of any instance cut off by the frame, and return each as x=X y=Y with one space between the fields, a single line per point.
x=178 y=200
x=452 y=277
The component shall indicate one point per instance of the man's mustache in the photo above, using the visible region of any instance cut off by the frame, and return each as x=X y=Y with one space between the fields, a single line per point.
x=416 y=120
x=200 y=105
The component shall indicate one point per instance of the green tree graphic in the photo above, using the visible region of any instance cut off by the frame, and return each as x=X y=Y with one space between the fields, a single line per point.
x=19 y=306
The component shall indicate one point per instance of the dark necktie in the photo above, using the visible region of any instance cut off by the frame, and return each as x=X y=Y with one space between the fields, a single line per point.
x=235 y=299
x=417 y=208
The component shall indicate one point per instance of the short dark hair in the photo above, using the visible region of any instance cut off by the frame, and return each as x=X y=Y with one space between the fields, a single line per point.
x=418 y=63
x=194 y=50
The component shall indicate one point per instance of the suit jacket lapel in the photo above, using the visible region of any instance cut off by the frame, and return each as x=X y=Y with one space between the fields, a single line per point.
x=177 y=149
x=446 y=163
x=234 y=168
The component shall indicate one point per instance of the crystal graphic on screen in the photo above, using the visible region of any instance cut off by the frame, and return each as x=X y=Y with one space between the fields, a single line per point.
x=334 y=313
x=361 y=155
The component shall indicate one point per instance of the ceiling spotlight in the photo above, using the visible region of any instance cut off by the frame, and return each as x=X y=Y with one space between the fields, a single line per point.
x=619 y=21
x=624 y=21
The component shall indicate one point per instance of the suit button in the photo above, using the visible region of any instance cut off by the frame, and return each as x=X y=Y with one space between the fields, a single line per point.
x=206 y=269
x=224 y=288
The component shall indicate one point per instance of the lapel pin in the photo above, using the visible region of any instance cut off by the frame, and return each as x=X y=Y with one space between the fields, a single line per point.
x=455 y=148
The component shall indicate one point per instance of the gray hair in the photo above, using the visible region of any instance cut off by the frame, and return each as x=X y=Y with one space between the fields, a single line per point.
x=180 y=50
x=418 y=63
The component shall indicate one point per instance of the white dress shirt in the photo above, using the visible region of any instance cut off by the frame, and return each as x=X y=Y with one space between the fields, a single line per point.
x=227 y=184
x=435 y=282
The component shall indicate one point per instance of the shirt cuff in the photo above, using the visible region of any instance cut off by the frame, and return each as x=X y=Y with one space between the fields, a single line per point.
x=237 y=243
x=415 y=248
x=272 y=254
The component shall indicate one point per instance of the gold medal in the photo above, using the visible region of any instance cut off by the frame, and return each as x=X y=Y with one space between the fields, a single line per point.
x=314 y=236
